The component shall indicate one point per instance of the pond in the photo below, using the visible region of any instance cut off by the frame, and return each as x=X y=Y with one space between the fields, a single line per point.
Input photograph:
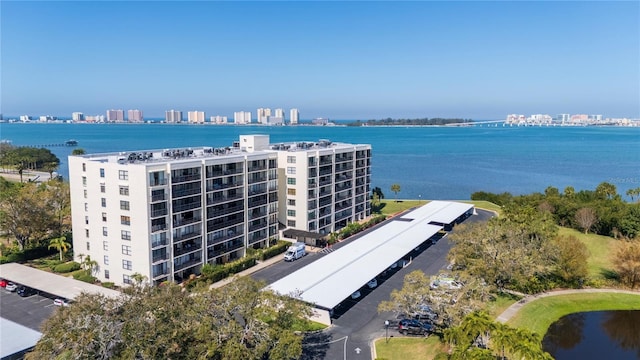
x=595 y=335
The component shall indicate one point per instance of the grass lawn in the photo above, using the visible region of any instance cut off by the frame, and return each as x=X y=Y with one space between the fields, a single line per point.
x=538 y=315
x=404 y=348
x=391 y=206
x=502 y=302
x=599 y=246
x=482 y=204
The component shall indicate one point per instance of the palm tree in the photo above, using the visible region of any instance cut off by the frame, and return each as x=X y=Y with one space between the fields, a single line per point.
x=50 y=167
x=60 y=244
x=20 y=167
x=89 y=265
x=396 y=189
x=138 y=278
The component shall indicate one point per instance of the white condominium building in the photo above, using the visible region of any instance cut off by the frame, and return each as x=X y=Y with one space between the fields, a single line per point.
x=165 y=213
x=294 y=116
x=323 y=185
x=173 y=116
x=242 y=117
x=195 y=117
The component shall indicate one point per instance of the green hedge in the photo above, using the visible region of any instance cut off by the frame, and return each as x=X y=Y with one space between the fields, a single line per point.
x=67 y=267
x=277 y=249
x=26 y=255
x=84 y=276
x=108 y=285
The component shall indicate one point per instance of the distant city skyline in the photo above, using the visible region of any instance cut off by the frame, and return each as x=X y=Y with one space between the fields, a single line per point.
x=337 y=60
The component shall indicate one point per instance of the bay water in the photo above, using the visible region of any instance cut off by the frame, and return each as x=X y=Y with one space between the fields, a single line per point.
x=427 y=162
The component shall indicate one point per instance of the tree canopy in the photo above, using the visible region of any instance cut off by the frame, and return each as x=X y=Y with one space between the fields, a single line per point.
x=239 y=321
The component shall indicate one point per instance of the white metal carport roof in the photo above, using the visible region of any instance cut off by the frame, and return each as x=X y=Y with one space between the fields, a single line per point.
x=16 y=338
x=442 y=212
x=53 y=284
x=329 y=280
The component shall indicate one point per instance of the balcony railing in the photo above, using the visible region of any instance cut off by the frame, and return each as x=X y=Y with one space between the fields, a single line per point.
x=224 y=238
x=185 y=178
x=187 y=264
x=159 y=212
x=225 y=249
x=159 y=258
x=186 y=236
x=160 y=243
x=187 y=248
x=183 y=222
x=157 y=182
x=158 y=197
x=161 y=227
x=185 y=192
x=185 y=207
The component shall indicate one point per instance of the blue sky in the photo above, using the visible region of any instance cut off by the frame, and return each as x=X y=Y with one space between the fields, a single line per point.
x=342 y=60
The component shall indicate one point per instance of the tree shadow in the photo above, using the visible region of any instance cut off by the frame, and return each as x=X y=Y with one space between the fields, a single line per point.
x=315 y=345
x=378 y=208
x=609 y=274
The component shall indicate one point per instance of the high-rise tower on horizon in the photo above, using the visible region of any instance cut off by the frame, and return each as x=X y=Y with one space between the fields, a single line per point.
x=173 y=116
x=135 y=115
x=294 y=116
x=115 y=115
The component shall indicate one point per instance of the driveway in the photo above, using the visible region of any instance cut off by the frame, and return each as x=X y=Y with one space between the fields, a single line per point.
x=29 y=311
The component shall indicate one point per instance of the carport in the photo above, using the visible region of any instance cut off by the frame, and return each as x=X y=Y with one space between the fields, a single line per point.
x=307 y=237
x=329 y=280
x=50 y=283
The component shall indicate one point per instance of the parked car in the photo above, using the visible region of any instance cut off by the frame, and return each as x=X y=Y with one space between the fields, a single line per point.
x=414 y=327
x=25 y=291
x=61 y=302
x=11 y=287
x=425 y=313
x=3 y=283
x=356 y=294
x=372 y=283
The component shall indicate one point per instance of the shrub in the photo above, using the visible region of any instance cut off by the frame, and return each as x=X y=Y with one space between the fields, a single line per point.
x=277 y=249
x=84 y=276
x=239 y=265
x=67 y=267
x=108 y=285
x=13 y=257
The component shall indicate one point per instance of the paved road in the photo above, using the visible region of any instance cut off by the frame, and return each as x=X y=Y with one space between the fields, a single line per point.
x=357 y=322
x=30 y=311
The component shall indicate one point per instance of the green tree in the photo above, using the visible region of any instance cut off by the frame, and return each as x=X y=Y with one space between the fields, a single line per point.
x=78 y=151
x=60 y=244
x=606 y=190
x=89 y=265
x=395 y=188
x=569 y=191
x=377 y=191
x=50 y=167
x=23 y=214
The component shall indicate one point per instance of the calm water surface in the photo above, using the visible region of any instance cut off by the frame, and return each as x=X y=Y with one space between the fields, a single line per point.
x=427 y=162
x=613 y=335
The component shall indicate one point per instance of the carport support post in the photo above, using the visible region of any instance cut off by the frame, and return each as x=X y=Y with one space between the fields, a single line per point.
x=386 y=331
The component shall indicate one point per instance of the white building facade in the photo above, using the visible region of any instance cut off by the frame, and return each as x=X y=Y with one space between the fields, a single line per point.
x=165 y=213
x=294 y=116
x=173 y=116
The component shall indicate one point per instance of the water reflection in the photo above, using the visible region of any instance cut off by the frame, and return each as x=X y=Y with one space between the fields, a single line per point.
x=595 y=335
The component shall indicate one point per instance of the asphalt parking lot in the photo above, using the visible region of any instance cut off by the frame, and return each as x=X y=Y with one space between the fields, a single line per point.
x=29 y=311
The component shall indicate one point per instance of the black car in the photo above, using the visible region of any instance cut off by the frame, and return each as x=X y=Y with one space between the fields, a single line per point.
x=25 y=291
x=414 y=327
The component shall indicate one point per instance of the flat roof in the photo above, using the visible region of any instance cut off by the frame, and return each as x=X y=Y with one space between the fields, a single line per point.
x=442 y=212
x=16 y=338
x=53 y=284
x=329 y=280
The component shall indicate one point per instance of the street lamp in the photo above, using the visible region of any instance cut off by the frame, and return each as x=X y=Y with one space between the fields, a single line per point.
x=419 y=198
x=386 y=330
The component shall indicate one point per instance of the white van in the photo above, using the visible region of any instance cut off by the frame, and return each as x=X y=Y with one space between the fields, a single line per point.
x=295 y=251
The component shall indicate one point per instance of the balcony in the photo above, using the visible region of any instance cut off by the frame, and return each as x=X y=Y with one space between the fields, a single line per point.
x=221 y=210
x=159 y=212
x=159 y=243
x=256 y=179
x=185 y=207
x=187 y=221
x=183 y=265
x=185 y=178
x=159 y=273
x=257 y=201
x=157 y=182
x=223 y=249
x=159 y=258
x=223 y=198
x=187 y=247
x=158 y=197
x=185 y=192
x=258 y=225
x=228 y=236
x=186 y=236
x=256 y=167
x=160 y=227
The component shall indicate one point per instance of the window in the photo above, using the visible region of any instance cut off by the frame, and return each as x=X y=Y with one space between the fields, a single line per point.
x=85 y=193
x=124 y=190
x=101 y=172
x=103 y=201
x=86 y=232
x=88 y=246
x=126 y=250
x=104 y=217
x=291 y=159
x=106 y=274
x=291 y=213
x=103 y=188
x=86 y=220
x=105 y=232
x=123 y=175
x=291 y=170
x=106 y=260
x=86 y=206
x=84 y=181
x=125 y=220
x=124 y=205
x=127 y=279
x=105 y=245
x=126 y=264
x=291 y=191
x=84 y=167
x=125 y=235
x=291 y=223
x=291 y=202
x=291 y=181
